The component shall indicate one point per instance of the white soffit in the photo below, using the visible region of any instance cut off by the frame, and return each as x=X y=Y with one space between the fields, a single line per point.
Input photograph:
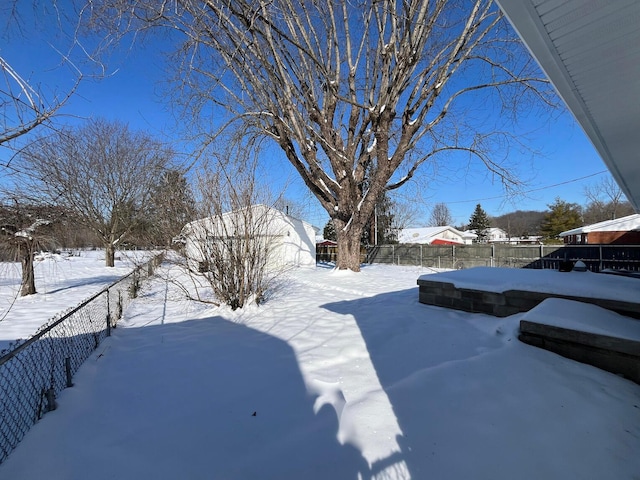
x=590 y=50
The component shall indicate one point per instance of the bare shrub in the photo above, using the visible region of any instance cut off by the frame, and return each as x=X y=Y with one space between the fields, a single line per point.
x=234 y=245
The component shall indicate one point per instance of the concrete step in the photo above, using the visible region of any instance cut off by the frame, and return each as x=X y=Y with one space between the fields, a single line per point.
x=585 y=333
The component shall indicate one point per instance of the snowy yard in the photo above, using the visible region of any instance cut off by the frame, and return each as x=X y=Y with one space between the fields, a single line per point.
x=338 y=376
x=62 y=282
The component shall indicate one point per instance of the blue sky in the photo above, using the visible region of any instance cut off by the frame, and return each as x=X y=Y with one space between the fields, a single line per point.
x=565 y=162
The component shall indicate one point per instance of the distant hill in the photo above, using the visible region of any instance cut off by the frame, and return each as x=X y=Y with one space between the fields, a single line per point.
x=520 y=223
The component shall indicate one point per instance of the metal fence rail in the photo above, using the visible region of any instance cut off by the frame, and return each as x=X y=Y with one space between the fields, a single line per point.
x=33 y=372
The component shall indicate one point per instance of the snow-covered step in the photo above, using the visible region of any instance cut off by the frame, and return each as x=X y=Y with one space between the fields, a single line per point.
x=586 y=333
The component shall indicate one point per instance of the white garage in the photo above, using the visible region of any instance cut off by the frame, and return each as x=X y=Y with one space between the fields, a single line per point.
x=283 y=240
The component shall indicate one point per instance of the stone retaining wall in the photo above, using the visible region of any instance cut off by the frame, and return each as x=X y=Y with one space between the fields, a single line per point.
x=444 y=294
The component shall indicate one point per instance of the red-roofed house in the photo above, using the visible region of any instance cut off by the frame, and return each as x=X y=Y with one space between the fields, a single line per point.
x=435 y=236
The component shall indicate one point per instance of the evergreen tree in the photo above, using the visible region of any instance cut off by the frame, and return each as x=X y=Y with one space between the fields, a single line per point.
x=329 y=232
x=562 y=216
x=170 y=207
x=479 y=223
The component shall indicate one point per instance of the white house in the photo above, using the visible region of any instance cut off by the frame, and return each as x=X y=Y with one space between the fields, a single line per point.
x=494 y=235
x=435 y=236
x=497 y=235
x=288 y=240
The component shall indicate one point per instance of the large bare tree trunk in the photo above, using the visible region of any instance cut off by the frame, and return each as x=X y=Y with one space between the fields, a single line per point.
x=349 y=249
x=109 y=255
x=28 y=286
x=349 y=235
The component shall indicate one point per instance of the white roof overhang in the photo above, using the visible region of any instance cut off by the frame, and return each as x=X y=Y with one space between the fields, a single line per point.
x=590 y=50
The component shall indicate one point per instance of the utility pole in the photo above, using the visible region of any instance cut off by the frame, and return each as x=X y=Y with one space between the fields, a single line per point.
x=375 y=225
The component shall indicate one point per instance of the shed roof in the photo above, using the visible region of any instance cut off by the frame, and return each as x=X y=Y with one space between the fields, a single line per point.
x=269 y=216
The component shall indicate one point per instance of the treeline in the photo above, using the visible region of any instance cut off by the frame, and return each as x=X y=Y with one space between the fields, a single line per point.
x=58 y=227
x=61 y=228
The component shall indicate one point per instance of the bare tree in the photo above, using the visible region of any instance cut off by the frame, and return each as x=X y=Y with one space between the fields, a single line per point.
x=31 y=98
x=25 y=229
x=102 y=171
x=358 y=95
x=27 y=241
x=22 y=107
x=405 y=213
x=233 y=245
x=440 y=215
x=605 y=201
x=289 y=206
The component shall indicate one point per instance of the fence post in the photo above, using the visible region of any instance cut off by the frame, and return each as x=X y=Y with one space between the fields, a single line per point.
x=50 y=395
x=108 y=316
x=493 y=254
x=33 y=402
x=453 y=256
x=120 y=308
x=600 y=254
x=67 y=369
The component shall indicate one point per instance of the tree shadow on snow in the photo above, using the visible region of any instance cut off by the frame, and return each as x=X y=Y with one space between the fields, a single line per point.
x=81 y=282
x=201 y=399
x=409 y=366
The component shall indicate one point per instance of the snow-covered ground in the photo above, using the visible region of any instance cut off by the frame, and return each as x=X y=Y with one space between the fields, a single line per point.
x=62 y=282
x=338 y=376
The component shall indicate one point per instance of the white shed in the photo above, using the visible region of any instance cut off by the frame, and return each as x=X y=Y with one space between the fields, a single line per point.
x=288 y=240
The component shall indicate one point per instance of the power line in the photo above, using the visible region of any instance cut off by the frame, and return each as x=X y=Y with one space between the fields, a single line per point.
x=532 y=190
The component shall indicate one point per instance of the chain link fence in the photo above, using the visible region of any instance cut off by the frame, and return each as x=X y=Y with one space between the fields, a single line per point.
x=33 y=372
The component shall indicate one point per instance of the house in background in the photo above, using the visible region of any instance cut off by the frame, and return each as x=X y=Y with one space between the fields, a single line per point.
x=621 y=231
x=530 y=240
x=289 y=241
x=326 y=250
x=435 y=236
x=494 y=235
x=498 y=235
